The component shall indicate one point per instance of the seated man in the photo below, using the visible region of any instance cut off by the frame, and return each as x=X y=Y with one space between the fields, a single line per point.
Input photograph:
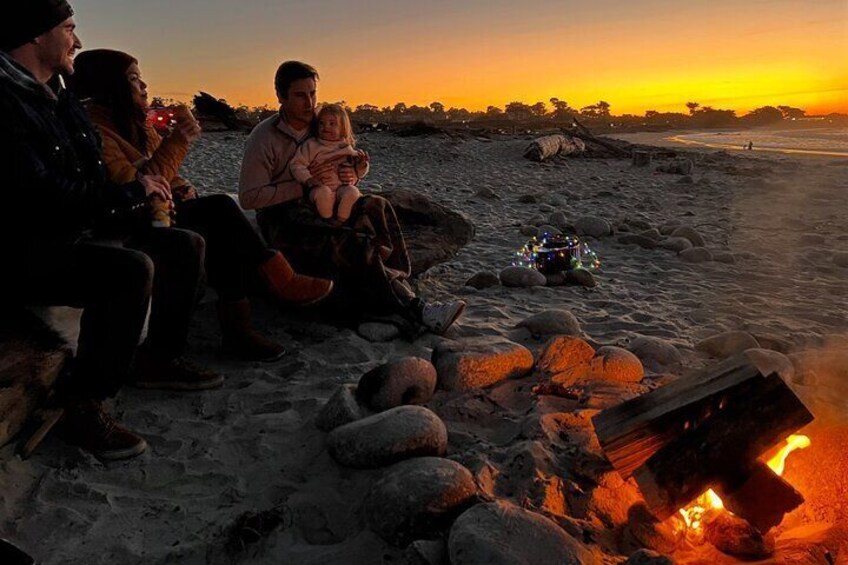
x=367 y=257
x=56 y=194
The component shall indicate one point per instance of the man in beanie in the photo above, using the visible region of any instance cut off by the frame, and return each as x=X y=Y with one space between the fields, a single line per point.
x=56 y=196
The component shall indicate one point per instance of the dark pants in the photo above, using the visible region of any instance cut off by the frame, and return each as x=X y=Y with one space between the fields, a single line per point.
x=234 y=250
x=113 y=282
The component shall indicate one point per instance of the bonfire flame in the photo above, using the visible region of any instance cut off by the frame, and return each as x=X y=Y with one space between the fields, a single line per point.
x=693 y=515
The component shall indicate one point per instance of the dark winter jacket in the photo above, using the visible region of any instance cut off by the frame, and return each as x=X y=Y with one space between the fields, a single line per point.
x=53 y=186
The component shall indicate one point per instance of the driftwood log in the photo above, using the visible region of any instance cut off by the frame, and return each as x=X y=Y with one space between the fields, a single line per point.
x=699 y=432
x=549 y=146
x=761 y=497
x=642 y=158
x=31 y=359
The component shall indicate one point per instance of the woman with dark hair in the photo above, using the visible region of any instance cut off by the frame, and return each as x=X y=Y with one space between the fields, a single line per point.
x=110 y=86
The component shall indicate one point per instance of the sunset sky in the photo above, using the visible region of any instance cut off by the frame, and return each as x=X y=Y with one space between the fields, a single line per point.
x=637 y=55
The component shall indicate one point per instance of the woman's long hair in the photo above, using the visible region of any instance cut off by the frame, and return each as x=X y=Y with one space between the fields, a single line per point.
x=100 y=77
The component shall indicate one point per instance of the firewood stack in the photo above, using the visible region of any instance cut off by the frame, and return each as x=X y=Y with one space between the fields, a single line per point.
x=708 y=431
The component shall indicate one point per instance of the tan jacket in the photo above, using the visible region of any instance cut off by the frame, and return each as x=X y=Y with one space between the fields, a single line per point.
x=125 y=162
x=266 y=176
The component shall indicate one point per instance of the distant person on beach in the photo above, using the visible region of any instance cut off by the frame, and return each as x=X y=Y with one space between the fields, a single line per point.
x=750 y=146
x=111 y=87
x=60 y=199
x=334 y=139
x=367 y=256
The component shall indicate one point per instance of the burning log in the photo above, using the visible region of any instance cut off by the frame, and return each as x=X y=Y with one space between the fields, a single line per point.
x=709 y=429
x=763 y=498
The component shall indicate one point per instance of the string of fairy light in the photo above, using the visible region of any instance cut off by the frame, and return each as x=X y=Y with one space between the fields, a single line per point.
x=553 y=253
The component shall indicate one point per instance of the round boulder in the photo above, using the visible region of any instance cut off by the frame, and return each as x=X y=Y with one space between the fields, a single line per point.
x=617 y=364
x=389 y=437
x=522 y=277
x=378 y=332
x=581 y=276
x=408 y=380
x=500 y=533
x=691 y=234
x=656 y=353
x=483 y=279
x=558 y=219
x=552 y=322
x=696 y=255
x=529 y=231
x=727 y=344
x=770 y=362
x=724 y=257
x=562 y=352
x=668 y=227
x=592 y=226
x=341 y=408
x=417 y=498
x=676 y=244
x=479 y=362
x=637 y=239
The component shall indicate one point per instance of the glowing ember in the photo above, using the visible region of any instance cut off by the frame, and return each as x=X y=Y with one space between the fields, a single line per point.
x=693 y=515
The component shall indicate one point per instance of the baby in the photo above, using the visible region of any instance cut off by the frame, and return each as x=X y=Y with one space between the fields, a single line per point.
x=335 y=140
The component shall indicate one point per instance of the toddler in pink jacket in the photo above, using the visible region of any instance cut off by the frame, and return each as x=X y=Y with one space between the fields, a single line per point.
x=335 y=142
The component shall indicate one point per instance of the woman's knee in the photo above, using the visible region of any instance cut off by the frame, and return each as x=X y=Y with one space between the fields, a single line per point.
x=185 y=245
x=131 y=269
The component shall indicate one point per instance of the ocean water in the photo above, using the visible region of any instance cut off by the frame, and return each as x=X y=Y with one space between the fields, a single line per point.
x=826 y=142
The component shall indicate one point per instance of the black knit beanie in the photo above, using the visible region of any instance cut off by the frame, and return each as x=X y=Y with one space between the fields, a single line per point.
x=24 y=20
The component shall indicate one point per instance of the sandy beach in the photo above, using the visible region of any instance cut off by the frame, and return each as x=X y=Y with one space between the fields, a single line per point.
x=777 y=223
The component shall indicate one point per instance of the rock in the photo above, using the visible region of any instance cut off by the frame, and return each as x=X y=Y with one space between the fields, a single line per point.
x=561 y=352
x=696 y=255
x=479 y=362
x=427 y=552
x=418 y=498
x=528 y=199
x=530 y=231
x=555 y=279
x=408 y=380
x=840 y=259
x=656 y=353
x=547 y=229
x=649 y=532
x=668 y=227
x=483 y=279
x=521 y=277
x=378 y=332
x=617 y=364
x=638 y=223
x=691 y=234
x=640 y=240
x=647 y=557
x=546 y=208
x=724 y=257
x=734 y=536
x=768 y=362
x=487 y=193
x=727 y=344
x=433 y=232
x=500 y=533
x=652 y=233
x=552 y=322
x=773 y=342
x=813 y=544
x=558 y=219
x=679 y=167
x=388 y=437
x=686 y=179
x=592 y=226
x=340 y=409
x=582 y=277
x=676 y=244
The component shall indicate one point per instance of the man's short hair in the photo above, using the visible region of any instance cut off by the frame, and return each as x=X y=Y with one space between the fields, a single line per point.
x=289 y=72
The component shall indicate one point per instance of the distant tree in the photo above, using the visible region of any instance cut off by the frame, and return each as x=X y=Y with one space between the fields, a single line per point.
x=416 y=112
x=603 y=109
x=438 y=109
x=790 y=113
x=709 y=117
x=763 y=116
x=693 y=107
x=399 y=109
x=561 y=109
x=493 y=111
x=367 y=112
x=518 y=110
x=458 y=115
x=538 y=109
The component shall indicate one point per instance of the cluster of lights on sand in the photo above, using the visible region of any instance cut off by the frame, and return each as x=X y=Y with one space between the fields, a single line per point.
x=557 y=253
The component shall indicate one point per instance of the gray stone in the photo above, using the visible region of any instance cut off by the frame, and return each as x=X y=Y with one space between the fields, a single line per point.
x=528 y=199
x=521 y=277
x=727 y=344
x=655 y=353
x=500 y=533
x=388 y=437
x=529 y=231
x=558 y=219
x=617 y=364
x=378 y=332
x=640 y=240
x=770 y=362
x=691 y=234
x=668 y=227
x=724 y=257
x=487 y=193
x=696 y=255
x=418 y=498
x=434 y=233
x=582 y=277
x=340 y=409
x=408 y=380
x=483 y=279
x=427 y=552
x=652 y=233
x=592 y=226
x=549 y=230
x=676 y=244
x=478 y=362
x=552 y=322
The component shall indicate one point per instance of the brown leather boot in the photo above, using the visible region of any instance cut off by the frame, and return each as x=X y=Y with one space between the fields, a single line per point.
x=87 y=425
x=288 y=286
x=238 y=336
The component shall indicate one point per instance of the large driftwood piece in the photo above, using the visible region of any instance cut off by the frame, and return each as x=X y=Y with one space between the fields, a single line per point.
x=549 y=146
x=691 y=435
x=762 y=498
x=582 y=132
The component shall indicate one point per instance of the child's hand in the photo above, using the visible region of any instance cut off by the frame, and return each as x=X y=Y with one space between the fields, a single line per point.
x=363 y=156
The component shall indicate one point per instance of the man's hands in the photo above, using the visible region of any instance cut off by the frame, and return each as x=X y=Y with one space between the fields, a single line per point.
x=156 y=186
x=187 y=125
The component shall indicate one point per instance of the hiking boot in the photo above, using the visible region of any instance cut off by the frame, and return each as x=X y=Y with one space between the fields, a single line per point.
x=238 y=337
x=437 y=317
x=173 y=374
x=87 y=425
x=287 y=286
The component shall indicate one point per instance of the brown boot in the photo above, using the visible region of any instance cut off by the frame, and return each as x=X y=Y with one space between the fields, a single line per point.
x=238 y=336
x=288 y=286
x=88 y=426
x=152 y=371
